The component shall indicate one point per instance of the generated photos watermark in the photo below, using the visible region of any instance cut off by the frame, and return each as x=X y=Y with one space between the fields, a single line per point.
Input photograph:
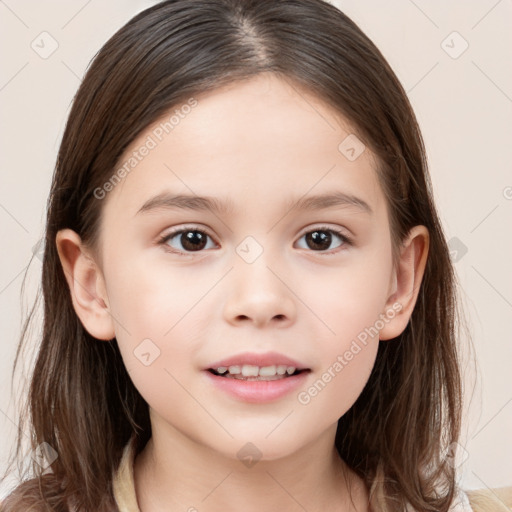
x=304 y=397
x=151 y=142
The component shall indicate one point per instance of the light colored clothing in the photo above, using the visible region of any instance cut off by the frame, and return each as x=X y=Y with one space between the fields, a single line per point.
x=126 y=499
x=461 y=503
x=124 y=484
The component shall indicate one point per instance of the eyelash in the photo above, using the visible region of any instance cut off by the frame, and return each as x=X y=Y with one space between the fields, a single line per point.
x=165 y=238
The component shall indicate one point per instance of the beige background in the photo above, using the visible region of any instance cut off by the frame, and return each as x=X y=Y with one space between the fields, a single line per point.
x=463 y=100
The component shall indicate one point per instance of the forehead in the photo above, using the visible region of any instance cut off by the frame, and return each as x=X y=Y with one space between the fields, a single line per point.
x=264 y=139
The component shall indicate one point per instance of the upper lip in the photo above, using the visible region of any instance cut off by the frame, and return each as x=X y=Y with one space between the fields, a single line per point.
x=251 y=358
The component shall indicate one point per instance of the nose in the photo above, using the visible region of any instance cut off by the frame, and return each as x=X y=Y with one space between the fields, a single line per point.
x=259 y=295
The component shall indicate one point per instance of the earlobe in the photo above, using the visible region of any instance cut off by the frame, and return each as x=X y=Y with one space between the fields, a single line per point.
x=86 y=284
x=406 y=281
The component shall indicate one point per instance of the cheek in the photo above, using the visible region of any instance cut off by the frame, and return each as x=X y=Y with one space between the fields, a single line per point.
x=350 y=306
x=333 y=390
x=347 y=300
x=162 y=317
x=149 y=300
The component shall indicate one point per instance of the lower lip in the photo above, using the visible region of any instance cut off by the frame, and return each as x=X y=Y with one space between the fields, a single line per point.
x=258 y=391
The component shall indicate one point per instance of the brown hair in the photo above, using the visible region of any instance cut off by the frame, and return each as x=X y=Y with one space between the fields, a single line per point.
x=81 y=400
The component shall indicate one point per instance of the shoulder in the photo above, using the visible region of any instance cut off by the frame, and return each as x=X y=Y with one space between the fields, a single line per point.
x=15 y=503
x=21 y=498
x=28 y=497
x=490 y=500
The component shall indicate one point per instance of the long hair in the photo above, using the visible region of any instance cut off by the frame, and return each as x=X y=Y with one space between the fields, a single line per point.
x=81 y=401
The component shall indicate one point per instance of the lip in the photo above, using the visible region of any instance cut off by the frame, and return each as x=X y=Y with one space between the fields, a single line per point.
x=257 y=391
x=254 y=359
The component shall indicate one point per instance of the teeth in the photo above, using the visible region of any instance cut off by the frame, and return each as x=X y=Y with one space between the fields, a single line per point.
x=248 y=370
x=267 y=371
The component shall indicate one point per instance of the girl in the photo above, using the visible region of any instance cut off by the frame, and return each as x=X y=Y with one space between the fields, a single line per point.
x=248 y=296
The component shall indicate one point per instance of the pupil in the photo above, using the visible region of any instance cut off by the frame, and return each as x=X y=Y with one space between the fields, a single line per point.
x=193 y=240
x=319 y=239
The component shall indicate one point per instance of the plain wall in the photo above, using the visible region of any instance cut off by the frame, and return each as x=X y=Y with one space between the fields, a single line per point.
x=463 y=101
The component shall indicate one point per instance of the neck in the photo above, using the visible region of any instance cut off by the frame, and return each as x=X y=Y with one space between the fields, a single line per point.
x=174 y=472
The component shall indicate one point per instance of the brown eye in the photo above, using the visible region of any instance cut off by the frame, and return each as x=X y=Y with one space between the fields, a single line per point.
x=187 y=240
x=321 y=239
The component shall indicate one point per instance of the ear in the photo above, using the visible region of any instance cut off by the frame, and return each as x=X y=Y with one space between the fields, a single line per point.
x=406 y=281
x=86 y=284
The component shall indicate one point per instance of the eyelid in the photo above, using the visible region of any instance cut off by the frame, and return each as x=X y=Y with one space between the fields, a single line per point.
x=326 y=227
x=186 y=227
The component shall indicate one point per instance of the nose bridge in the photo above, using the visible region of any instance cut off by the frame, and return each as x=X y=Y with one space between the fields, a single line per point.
x=257 y=292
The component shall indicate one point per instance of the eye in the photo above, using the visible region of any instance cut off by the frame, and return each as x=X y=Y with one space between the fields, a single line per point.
x=186 y=240
x=321 y=239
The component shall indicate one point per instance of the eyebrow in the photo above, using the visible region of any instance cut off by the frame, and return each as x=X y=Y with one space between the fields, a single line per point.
x=329 y=200
x=166 y=201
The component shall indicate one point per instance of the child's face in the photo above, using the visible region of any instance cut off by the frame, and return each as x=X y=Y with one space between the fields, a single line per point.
x=255 y=283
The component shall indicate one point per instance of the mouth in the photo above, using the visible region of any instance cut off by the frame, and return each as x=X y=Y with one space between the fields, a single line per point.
x=249 y=372
x=252 y=366
x=257 y=384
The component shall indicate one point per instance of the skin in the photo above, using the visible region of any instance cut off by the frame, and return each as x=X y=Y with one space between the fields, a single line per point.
x=259 y=143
